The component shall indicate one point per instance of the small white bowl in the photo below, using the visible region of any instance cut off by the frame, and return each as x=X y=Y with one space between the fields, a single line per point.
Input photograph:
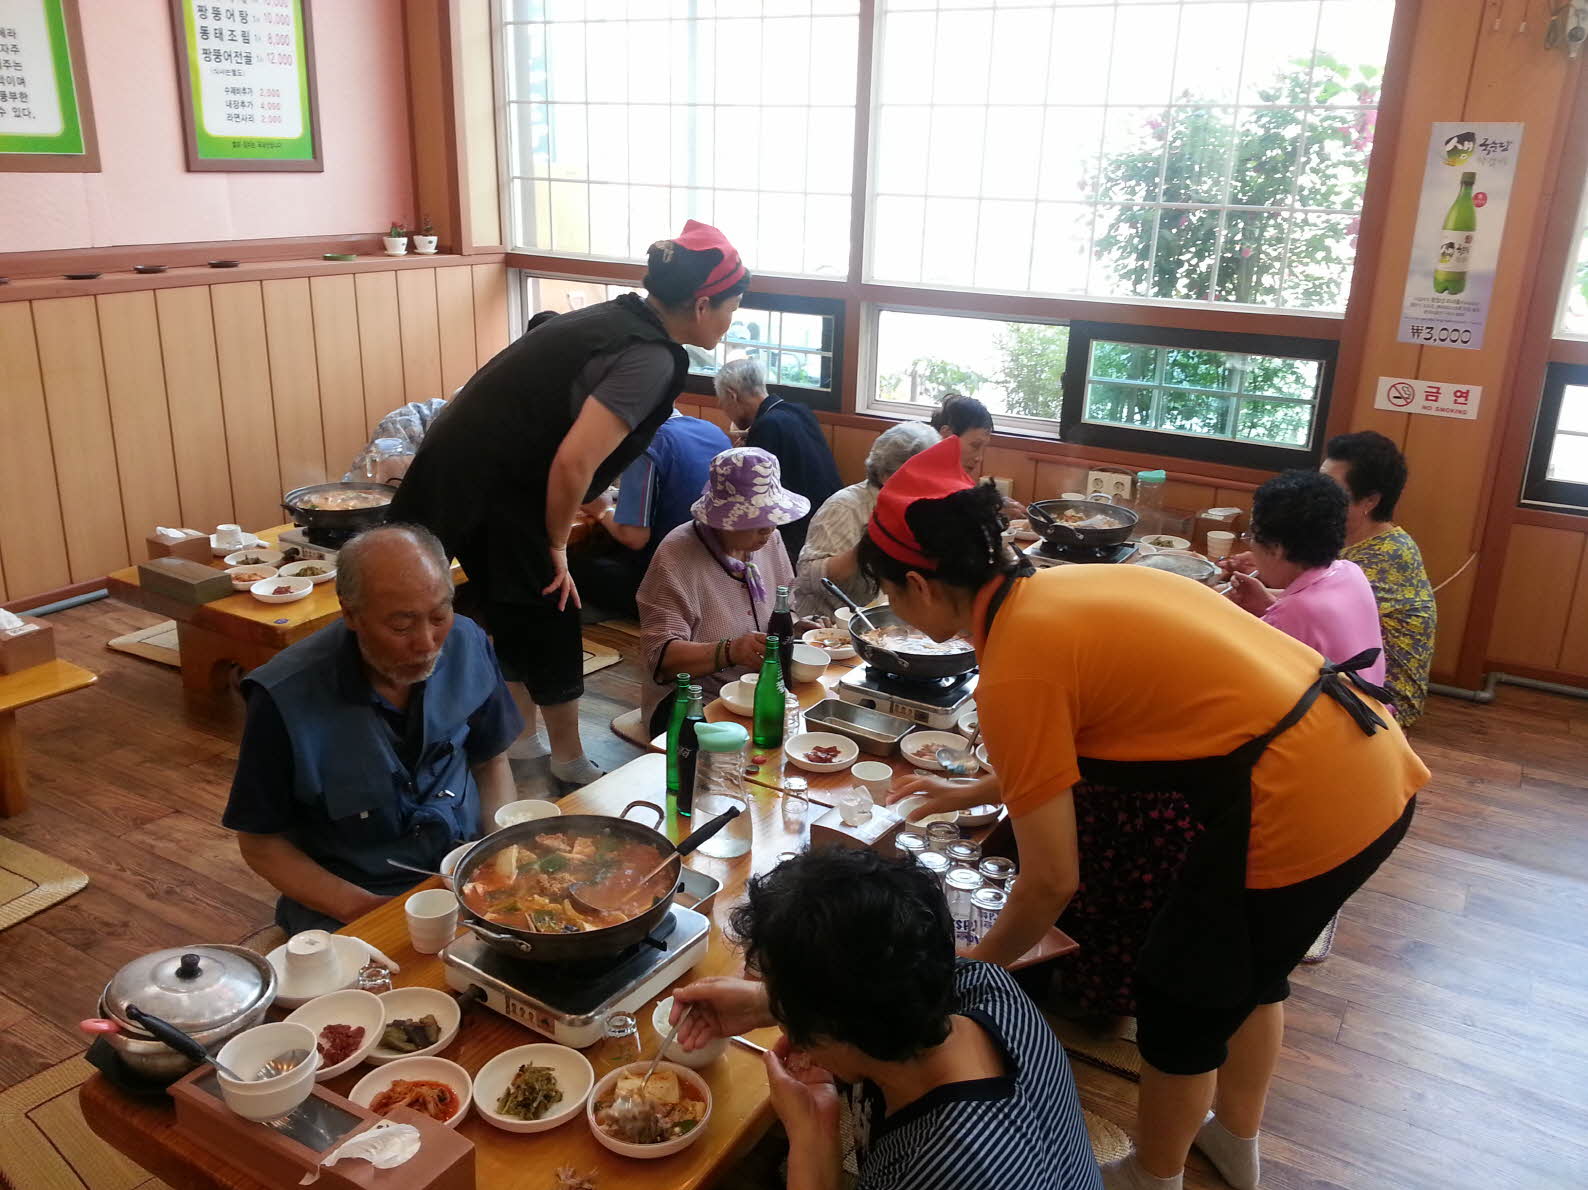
x=738 y=697
x=1163 y=541
x=694 y=1059
x=667 y=1147
x=262 y=556
x=575 y=1077
x=921 y=748
x=407 y=1004
x=350 y=1007
x=244 y=577
x=265 y=591
x=249 y=541
x=437 y=1070
x=981 y=755
x=265 y=1099
x=843 y=648
x=795 y=748
x=450 y=861
x=979 y=815
x=809 y=663
x=527 y=809
x=966 y=722
x=295 y=570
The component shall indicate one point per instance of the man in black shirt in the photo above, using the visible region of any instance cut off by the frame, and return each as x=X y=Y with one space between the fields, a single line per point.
x=785 y=429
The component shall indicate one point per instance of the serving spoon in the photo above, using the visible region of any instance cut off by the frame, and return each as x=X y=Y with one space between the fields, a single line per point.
x=588 y=897
x=842 y=596
x=961 y=762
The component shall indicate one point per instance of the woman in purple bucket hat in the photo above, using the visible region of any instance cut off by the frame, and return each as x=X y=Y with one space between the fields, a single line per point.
x=712 y=582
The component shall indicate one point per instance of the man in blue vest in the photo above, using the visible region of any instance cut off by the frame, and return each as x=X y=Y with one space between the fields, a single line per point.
x=654 y=497
x=382 y=736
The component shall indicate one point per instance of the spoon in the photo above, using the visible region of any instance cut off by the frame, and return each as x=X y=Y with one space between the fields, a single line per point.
x=397 y=863
x=842 y=596
x=635 y=1116
x=961 y=762
x=589 y=897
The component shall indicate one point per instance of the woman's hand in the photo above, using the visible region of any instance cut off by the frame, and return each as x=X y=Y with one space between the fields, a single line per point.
x=562 y=587
x=1243 y=563
x=806 y=1100
x=942 y=794
x=748 y=650
x=1247 y=591
x=723 y=1007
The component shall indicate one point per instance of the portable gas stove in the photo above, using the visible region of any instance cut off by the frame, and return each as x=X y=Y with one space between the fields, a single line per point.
x=320 y=544
x=1045 y=553
x=931 y=702
x=569 y=1002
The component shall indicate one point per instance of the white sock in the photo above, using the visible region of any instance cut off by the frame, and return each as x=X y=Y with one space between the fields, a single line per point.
x=1127 y=1174
x=1234 y=1156
x=579 y=771
x=527 y=747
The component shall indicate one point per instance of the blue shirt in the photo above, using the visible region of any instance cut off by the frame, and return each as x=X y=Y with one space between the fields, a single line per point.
x=657 y=489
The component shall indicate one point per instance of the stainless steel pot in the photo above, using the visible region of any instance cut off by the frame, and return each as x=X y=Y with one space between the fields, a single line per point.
x=1119 y=522
x=210 y=992
x=905 y=664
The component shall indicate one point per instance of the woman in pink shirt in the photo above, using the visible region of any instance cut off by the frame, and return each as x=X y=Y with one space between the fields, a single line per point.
x=1302 y=586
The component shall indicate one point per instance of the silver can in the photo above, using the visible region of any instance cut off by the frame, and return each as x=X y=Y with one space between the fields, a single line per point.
x=940 y=834
x=995 y=869
x=985 y=905
x=910 y=843
x=960 y=886
x=962 y=853
x=935 y=863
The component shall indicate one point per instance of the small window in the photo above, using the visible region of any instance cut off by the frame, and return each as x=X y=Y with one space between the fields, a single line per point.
x=1557 y=472
x=1246 y=400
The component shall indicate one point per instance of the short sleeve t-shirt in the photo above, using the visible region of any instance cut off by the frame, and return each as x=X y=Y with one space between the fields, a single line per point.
x=629 y=381
x=1128 y=663
x=1022 y=1131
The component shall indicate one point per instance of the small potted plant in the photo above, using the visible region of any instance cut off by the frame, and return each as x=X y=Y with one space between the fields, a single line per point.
x=396 y=240
x=425 y=240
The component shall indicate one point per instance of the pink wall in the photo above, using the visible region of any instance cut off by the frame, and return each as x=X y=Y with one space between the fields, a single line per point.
x=144 y=194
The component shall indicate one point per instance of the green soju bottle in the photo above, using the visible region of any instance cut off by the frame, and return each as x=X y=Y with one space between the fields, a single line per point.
x=766 y=731
x=675 y=721
x=1455 y=241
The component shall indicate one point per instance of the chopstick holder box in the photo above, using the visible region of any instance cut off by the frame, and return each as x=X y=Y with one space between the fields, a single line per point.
x=277 y=1156
x=24 y=650
x=195 y=548
x=183 y=580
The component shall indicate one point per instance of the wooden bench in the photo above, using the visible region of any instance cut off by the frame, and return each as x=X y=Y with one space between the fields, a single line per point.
x=23 y=688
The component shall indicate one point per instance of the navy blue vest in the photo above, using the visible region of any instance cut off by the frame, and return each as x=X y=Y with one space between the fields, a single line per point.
x=360 y=802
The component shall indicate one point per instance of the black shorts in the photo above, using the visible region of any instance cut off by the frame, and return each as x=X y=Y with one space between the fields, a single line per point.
x=535 y=643
x=1180 y=1036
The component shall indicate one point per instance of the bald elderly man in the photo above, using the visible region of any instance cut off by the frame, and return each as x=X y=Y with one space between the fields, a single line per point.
x=382 y=736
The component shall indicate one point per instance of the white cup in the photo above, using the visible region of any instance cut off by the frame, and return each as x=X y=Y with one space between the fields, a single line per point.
x=311 y=958
x=229 y=535
x=432 y=919
x=1220 y=542
x=875 y=776
x=1073 y=496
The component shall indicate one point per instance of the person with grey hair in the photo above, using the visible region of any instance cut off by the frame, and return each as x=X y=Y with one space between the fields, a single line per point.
x=785 y=429
x=383 y=736
x=837 y=527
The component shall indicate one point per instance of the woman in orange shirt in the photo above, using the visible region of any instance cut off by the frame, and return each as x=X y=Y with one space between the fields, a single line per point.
x=1143 y=681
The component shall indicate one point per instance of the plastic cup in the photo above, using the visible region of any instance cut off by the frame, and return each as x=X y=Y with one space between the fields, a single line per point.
x=875 y=776
x=1220 y=542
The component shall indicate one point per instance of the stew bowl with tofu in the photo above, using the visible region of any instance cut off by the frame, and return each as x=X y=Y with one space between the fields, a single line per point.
x=514 y=887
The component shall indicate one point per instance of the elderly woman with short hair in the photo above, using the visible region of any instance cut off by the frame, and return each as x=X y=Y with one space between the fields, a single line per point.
x=710 y=587
x=838 y=526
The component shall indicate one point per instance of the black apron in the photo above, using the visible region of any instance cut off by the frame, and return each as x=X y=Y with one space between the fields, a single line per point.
x=1202 y=930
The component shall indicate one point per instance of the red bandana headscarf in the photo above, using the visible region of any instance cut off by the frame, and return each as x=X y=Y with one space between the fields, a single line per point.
x=934 y=473
x=697 y=237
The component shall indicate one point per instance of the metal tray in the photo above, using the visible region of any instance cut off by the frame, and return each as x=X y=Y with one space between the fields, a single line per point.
x=876 y=733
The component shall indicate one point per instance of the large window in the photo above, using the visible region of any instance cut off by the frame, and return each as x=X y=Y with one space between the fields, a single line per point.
x=1557 y=474
x=1200 y=151
x=625 y=119
x=1574 y=301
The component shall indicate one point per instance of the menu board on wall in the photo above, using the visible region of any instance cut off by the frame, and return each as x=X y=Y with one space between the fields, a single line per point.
x=1460 y=222
x=46 y=122
x=248 y=94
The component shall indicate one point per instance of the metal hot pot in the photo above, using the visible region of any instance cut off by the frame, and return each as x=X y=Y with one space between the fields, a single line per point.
x=210 y=992
x=344 y=522
x=1117 y=523
x=901 y=663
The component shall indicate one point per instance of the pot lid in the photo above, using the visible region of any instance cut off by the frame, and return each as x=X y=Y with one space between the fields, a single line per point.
x=195 y=988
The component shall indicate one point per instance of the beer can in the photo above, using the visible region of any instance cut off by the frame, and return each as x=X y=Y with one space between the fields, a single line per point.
x=910 y=843
x=960 y=887
x=940 y=834
x=995 y=869
x=986 y=903
x=934 y=862
x=962 y=853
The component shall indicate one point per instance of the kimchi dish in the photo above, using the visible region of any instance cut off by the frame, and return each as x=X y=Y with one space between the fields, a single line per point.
x=526 y=885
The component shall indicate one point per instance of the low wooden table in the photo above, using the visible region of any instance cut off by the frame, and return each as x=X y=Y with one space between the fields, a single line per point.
x=741 y=1110
x=21 y=689
x=237 y=631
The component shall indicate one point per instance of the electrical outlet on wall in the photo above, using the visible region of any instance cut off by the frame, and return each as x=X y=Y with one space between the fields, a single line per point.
x=1114 y=484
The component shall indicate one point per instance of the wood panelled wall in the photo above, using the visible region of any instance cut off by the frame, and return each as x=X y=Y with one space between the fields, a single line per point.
x=1541 y=621
x=196 y=405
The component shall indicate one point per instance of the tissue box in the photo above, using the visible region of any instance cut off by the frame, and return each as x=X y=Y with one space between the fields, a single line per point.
x=876 y=832
x=184 y=581
x=28 y=648
x=195 y=548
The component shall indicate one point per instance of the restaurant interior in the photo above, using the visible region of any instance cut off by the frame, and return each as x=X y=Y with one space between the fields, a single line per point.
x=1172 y=253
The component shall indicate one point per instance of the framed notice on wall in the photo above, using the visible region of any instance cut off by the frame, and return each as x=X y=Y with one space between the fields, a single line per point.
x=46 y=119
x=247 y=85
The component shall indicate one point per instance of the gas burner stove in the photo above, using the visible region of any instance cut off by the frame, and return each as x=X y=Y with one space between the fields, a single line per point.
x=315 y=543
x=1045 y=553
x=570 y=1002
x=932 y=702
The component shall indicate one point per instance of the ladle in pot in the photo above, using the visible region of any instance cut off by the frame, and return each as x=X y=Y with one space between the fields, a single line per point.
x=961 y=762
x=842 y=596
x=588 y=897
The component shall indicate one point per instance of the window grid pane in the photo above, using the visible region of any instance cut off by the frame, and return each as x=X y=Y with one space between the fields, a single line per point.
x=1204 y=151
x=623 y=121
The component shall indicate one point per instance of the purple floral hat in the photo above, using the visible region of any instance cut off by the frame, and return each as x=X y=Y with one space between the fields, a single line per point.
x=744 y=490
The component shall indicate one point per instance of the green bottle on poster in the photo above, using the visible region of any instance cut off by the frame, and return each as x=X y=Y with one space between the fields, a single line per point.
x=766 y=729
x=1455 y=241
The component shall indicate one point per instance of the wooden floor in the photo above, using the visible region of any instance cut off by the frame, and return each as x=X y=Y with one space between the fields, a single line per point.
x=1443 y=1046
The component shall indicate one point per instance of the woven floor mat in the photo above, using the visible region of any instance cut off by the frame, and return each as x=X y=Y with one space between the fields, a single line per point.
x=31 y=881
